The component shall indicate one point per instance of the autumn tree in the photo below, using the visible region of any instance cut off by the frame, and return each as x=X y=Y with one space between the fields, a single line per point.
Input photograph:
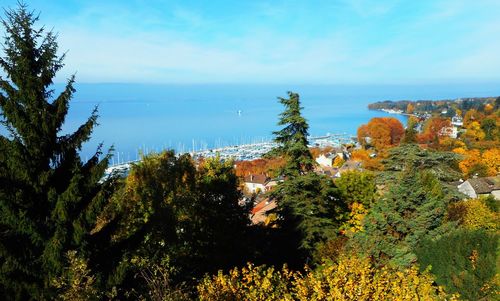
x=471 y=116
x=381 y=132
x=490 y=127
x=410 y=108
x=363 y=135
x=491 y=159
x=474 y=215
x=190 y=216
x=50 y=199
x=433 y=130
x=474 y=132
x=472 y=163
x=357 y=186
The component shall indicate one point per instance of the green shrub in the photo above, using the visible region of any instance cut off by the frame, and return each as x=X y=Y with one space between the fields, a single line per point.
x=463 y=262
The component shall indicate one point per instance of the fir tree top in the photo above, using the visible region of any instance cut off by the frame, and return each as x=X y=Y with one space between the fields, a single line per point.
x=292 y=139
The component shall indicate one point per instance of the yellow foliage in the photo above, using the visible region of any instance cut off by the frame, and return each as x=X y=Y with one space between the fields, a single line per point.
x=491 y=158
x=460 y=150
x=472 y=158
x=249 y=283
x=488 y=108
x=474 y=131
x=448 y=143
x=355 y=222
x=77 y=282
x=352 y=278
x=338 y=162
x=474 y=214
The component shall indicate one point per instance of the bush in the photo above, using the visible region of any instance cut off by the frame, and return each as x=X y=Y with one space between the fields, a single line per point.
x=473 y=214
x=463 y=262
x=351 y=278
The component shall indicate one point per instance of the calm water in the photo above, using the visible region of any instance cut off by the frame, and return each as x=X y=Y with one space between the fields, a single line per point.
x=152 y=117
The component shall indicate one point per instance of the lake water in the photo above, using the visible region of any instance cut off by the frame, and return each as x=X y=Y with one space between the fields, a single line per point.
x=154 y=117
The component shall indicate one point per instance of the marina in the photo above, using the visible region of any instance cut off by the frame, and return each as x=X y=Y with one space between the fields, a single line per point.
x=243 y=152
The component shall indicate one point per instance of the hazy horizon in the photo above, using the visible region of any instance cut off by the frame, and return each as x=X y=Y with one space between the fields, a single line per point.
x=276 y=42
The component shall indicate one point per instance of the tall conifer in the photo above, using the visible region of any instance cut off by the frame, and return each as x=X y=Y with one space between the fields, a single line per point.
x=308 y=203
x=49 y=198
x=292 y=139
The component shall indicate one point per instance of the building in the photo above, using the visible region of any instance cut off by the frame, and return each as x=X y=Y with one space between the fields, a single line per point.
x=257 y=183
x=481 y=187
x=261 y=210
x=457 y=121
x=449 y=131
x=328 y=159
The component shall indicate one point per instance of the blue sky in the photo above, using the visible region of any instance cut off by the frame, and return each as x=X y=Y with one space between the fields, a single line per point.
x=297 y=42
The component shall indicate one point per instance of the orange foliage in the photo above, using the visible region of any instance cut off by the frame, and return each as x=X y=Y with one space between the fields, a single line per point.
x=258 y=166
x=410 y=108
x=360 y=155
x=491 y=158
x=383 y=132
x=363 y=134
x=473 y=159
x=433 y=130
x=369 y=163
x=316 y=151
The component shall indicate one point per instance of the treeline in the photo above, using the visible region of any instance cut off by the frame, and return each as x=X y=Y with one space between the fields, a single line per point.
x=179 y=229
x=436 y=106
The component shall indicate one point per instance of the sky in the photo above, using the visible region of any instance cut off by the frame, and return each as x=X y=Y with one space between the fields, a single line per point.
x=275 y=42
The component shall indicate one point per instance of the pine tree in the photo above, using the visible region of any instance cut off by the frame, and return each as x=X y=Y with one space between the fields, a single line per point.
x=308 y=203
x=49 y=198
x=292 y=139
x=412 y=210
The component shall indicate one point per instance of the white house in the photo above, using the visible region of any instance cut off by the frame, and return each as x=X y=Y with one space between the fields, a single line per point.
x=481 y=187
x=256 y=183
x=457 y=121
x=449 y=131
x=328 y=159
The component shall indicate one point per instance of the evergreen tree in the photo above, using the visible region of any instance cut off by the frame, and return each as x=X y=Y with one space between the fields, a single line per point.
x=308 y=203
x=412 y=210
x=464 y=262
x=49 y=198
x=292 y=139
x=410 y=135
x=444 y=165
